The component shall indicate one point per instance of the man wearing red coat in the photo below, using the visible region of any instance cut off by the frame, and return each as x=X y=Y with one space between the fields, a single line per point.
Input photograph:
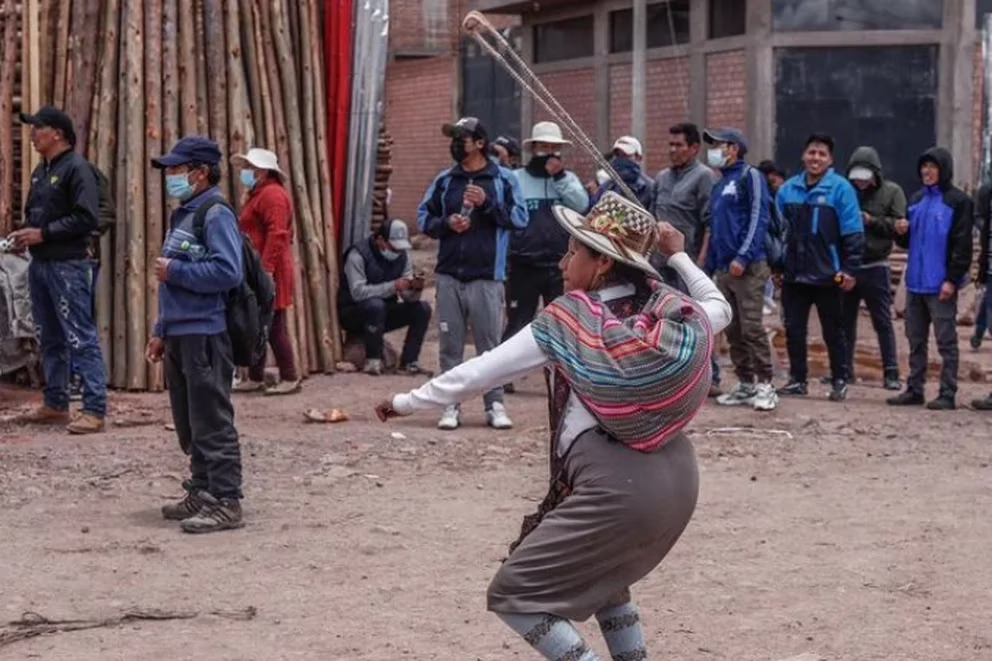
x=267 y=219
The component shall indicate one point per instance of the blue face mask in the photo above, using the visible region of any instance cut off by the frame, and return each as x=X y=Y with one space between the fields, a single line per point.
x=178 y=186
x=390 y=255
x=248 y=178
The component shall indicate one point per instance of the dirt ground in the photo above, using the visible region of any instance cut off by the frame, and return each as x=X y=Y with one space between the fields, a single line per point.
x=850 y=531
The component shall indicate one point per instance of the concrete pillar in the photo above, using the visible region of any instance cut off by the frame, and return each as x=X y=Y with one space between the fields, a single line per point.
x=698 y=28
x=601 y=49
x=760 y=71
x=526 y=100
x=963 y=45
x=639 y=73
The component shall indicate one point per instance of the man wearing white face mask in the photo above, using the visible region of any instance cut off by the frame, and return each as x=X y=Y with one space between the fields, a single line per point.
x=380 y=293
x=196 y=271
x=738 y=216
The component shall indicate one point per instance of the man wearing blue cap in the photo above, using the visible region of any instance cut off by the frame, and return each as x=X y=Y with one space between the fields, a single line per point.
x=195 y=272
x=738 y=220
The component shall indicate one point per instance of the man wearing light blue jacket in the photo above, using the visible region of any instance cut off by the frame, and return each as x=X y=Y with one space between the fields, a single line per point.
x=536 y=250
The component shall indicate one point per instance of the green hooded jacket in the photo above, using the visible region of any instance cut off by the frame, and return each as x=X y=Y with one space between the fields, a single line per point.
x=884 y=202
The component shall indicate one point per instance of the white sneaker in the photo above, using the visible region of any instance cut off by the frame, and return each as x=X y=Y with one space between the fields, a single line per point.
x=373 y=367
x=497 y=418
x=765 y=397
x=449 y=419
x=741 y=395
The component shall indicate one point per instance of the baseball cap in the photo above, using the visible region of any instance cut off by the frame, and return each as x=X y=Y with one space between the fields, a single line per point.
x=466 y=126
x=732 y=136
x=511 y=146
x=191 y=149
x=397 y=234
x=860 y=173
x=629 y=145
x=54 y=118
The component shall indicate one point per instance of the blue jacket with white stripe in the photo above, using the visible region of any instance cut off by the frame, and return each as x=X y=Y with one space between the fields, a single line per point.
x=737 y=217
x=824 y=229
x=478 y=253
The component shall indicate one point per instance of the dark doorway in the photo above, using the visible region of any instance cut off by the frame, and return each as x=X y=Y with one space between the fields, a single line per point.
x=488 y=91
x=885 y=97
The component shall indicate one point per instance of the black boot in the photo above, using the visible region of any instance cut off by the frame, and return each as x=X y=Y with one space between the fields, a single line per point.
x=906 y=398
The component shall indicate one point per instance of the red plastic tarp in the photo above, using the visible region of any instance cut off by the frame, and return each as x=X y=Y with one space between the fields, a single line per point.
x=338 y=31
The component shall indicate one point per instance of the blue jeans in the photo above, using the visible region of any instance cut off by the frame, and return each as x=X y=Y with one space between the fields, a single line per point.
x=73 y=372
x=62 y=305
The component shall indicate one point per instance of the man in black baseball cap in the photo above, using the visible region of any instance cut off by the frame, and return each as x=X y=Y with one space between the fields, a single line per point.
x=52 y=118
x=201 y=261
x=507 y=152
x=60 y=217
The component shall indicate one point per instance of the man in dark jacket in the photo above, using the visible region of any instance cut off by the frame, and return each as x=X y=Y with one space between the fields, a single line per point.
x=738 y=216
x=195 y=272
x=937 y=235
x=882 y=204
x=472 y=208
x=823 y=249
x=60 y=217
x=626 y=161
x=380 y=293
x=983 y=210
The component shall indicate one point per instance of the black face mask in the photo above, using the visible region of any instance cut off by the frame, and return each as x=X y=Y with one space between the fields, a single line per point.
x=537 y=165
x=458 y=150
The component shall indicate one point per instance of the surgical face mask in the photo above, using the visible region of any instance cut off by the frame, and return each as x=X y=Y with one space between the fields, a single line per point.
x=248 y=178
x=458 y=150
x=715 y=157
x=390 y=255
x=178 y=186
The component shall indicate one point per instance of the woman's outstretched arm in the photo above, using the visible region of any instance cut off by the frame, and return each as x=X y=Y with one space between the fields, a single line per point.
x=703 y=291
x=509 y=361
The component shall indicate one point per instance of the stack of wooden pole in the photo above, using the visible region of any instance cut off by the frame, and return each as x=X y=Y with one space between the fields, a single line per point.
x=383 y=169
x=136 y=75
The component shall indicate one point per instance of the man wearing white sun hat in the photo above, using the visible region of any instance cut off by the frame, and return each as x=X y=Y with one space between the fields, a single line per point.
x=536 y=250
x=626 y=159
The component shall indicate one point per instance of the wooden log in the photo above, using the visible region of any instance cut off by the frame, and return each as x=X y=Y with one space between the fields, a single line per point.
x=278 y=142
x=321 y=315
x=324 y=175
x=305 y=67
x=122 y=230
x=62 y=64
x=170 y=73
x=154 y=231
x=213 y=23
x=30 y=88
x=135 y=166
x=83 y=81
x=8 y=67
x=47 y=22
x=253 y=72
x=103 y=148
x=240 y=129
x=187 y=68
x=200 y=52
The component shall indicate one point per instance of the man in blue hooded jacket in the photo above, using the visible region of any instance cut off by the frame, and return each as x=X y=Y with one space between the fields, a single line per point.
x=825 y=239
x=737 y=218
x=937 y=234
x=472 y=208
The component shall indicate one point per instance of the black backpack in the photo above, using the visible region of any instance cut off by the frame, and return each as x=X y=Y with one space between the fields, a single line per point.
x=250 y=304
x=775 y=238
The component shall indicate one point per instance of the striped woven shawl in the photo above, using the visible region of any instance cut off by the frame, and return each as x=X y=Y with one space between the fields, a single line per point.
x=643 y=378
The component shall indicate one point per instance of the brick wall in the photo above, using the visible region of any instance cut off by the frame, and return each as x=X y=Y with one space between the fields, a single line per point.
x=419 y=98
x=575 y=91
x=666 y=103
x=726 y=90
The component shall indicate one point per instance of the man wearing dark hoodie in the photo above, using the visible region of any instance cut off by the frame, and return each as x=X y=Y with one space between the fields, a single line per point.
x=937 y=235
x=626 y=160
x=882 y=204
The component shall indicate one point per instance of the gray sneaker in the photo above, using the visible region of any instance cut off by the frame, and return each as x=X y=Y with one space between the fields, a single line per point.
x=184 y=509
x=216 y=514
x=373 y=367
x=742 y=394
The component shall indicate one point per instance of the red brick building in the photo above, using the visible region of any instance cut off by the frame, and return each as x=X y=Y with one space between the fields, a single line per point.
x=900 y=76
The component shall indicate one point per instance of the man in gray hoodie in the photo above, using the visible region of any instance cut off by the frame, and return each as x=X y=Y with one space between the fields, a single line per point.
x=882 y=204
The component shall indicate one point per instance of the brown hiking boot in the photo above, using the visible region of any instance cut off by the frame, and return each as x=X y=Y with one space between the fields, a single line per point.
x=284 y=388
x=184 y=509
x=43 y=415
x=216 y=514
x=86 y=423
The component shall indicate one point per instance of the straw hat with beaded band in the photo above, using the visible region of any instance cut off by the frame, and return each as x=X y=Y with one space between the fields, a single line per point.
x=615 y=227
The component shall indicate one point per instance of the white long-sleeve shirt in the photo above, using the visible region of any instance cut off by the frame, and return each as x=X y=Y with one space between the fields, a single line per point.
x=521 y=355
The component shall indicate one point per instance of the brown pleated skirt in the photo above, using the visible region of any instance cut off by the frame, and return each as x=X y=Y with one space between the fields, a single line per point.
x=624 y=514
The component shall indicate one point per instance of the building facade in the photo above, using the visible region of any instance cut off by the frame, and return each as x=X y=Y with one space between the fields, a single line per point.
x=901 y=75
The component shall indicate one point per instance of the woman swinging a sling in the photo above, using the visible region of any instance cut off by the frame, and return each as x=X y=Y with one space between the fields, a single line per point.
x=627 y=361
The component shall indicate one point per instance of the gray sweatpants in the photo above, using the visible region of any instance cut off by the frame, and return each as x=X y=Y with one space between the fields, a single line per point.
x=922 y=310
x=478 y=304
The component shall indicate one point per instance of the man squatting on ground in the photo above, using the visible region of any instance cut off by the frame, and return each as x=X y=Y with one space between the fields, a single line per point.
x=195 y=273
x=380 y=293
x=471 y=207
